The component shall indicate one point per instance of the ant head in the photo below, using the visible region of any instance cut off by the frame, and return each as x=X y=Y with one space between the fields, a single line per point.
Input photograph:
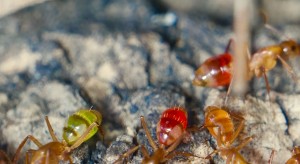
x=290 y=48
x=200 y=79
x=296 y=150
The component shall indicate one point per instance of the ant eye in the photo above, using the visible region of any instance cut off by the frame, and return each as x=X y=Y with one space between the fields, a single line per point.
x=293 y=48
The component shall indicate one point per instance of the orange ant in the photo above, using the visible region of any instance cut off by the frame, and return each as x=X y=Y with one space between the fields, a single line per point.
x=53 y=151
x=220 y=125
x=265 y=59
x=170 y=131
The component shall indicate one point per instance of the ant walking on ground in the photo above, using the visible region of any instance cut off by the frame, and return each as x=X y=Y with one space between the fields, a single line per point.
x=170 y=131
x=220 y=125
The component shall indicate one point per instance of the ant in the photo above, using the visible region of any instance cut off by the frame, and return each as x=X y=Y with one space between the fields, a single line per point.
x=265 y=59
x=79 y=122
x=215 y=71
x=170 y=131
x=220 y=125
x=54 y=151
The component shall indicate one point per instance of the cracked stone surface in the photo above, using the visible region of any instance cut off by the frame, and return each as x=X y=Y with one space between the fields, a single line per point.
x=132 y=58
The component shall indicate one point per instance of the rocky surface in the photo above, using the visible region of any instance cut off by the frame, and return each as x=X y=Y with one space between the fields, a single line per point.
x=127 y=59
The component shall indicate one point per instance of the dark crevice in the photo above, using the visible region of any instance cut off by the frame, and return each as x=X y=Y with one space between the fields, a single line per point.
x=66 y=52
x=284 y=113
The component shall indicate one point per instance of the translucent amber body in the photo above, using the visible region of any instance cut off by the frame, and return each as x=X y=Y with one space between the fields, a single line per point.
x=214 y=72
x=171 y=125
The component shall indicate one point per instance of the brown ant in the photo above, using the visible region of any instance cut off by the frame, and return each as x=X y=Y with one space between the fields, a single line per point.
x=170 y=131
x=53 y=151
x=220 y=124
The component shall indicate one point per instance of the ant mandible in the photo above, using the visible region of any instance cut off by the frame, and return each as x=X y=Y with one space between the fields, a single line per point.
x=170 y=131
x=220 y=125
x=54 y=151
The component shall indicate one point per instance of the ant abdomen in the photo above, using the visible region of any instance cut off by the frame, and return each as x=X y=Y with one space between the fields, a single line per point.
x=78 y=123
x=172 y=125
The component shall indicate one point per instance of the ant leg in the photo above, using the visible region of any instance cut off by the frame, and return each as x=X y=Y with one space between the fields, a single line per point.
x=270 y=27
x=288 y=68
x=271 y=157
x=50 y=129
x=174 y=145
x=244 y=143
x=195 y=128
x=145 y=152
x=101 y=133
x=230 y=158
x=17 y=154
x=228 y=46
x=4 y=157
x=82 y=137
x=228 y=91
x=238 y=130
x=266 y=81
x=150 y=139
x=126 y=154
x=70 y=159
x=209 y=156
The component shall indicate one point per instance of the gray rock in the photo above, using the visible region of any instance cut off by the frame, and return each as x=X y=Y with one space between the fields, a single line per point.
x=128 y=59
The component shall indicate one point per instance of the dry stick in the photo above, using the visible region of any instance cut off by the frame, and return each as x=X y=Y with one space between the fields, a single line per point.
x=241 y=29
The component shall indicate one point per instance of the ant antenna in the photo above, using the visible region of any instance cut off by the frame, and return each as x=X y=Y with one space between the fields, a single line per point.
x=270 y=27
x=228 y=46
x=271 y=157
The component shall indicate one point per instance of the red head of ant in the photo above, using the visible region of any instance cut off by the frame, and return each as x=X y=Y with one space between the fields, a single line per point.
x=215 y=71
x=170 y=131
x=220 y=124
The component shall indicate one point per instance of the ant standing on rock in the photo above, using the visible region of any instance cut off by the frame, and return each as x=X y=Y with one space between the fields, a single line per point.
x=170 y=131
x=220 y=125
x=54 y=151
